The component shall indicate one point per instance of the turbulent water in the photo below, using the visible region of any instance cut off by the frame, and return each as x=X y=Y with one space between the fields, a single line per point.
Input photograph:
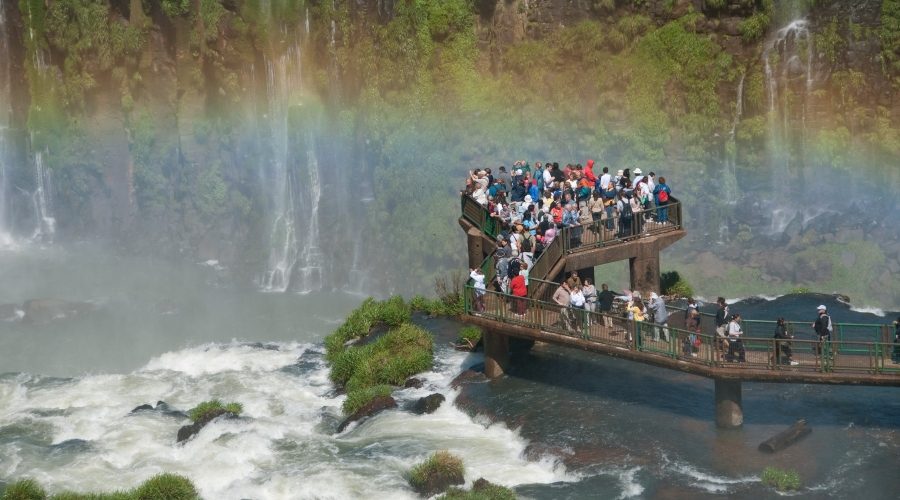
x=564 y=424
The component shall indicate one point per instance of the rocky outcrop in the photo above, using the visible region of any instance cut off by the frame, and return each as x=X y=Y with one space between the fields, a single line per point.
x=413 y=383
x=428 y=404
x=371 y=408
x=189 y=431
x=162 y=408
x=467 y=377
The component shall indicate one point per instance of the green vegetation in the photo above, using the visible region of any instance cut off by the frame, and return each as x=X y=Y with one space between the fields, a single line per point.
x=434 y=475
x=359 y=398
x=470 y=335
x=205 y=408
x=368 y=370
x=890 y=38
x=671 y=283
x=781 y=480
x=481 y=490
x=755 y=27
x=160 y=487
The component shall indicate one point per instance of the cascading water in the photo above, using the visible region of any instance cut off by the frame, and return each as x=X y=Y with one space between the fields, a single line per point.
x=42 y=200
x=295 y=262
x=6 y=239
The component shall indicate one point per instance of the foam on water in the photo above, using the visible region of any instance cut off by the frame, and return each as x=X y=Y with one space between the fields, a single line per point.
x=869 y=310
x=284 y=445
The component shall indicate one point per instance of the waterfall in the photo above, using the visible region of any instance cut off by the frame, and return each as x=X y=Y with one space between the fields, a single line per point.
x=730 y=177
x=42 y=200
x=6 y=239
x=293 y=180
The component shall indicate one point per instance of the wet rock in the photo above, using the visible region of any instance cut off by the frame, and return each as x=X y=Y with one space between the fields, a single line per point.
x=371 y=408
x=428 y=404
x=467 y=377
x=413 y=383
x=43 y=311
x=162 y=408
x=189 y=431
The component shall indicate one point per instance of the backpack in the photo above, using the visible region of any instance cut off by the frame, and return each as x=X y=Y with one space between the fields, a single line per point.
x=627 y=213
x=527 y=244
x=663 y=195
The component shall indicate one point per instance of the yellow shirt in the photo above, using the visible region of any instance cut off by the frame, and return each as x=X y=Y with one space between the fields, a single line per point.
x=637 y=313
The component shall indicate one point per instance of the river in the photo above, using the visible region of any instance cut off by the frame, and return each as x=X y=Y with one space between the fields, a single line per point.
x=563 y=424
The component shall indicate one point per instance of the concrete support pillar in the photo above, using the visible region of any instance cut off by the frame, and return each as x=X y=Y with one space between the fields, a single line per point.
x=496 y=354
x=476 y=247
x=645 y=272
x=729 y=409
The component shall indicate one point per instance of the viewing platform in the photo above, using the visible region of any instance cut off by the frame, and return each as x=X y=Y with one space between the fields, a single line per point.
x=859 y=354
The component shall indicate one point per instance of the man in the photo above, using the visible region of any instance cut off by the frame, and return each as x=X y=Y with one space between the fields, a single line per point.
x=605 y=302
x=563 y=298
x=604 y=179
x=574 y=280
x=576 y=300
x=735 y=345
x=823 y=328
x=660 y=317
x=721 y=323
x=478 y=280
x=590 y=299
x=638 y=176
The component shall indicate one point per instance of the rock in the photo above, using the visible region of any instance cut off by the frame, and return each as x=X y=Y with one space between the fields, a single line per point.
x=413 y=383
x=43 y=311
x=189 y=431
x=162 y=408
x=467 y=377
x=731 y=26
x=143 y=407
x=11 y=312
x=428 y=404
x=371 y=408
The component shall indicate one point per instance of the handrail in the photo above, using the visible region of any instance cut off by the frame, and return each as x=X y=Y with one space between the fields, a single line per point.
x=847 y=356
x=477 y=214
x=596 y=234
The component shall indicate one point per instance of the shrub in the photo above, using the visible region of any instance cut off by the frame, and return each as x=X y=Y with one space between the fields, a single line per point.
x=357 y=325
x=671 y=283
x=437 y=473
x=203 y=409
x=780 y=479
x=167 y=486
x=24 y=489
x=394 y=311
x=361 y=397
x=800 y=289
x=755 y=27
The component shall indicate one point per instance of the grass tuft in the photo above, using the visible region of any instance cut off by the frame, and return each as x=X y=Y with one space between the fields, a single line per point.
x=205 y=408
x=24 y=489
x=781 y=479
x=361 y=397
x=159 y=487
x=469 y=335
x=441 y=470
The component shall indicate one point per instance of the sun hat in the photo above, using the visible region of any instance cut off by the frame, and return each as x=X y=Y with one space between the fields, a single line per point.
x=637 y=171
x=822 y=308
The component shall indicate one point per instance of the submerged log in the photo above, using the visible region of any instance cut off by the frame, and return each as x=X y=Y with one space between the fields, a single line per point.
x=786 y=438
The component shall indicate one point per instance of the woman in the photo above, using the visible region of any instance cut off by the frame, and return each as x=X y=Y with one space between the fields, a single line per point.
x=692 y=324
x=735 y=344
x=519 y=290
x=661 y=194
x=783 y=355
x=609 y=202
x=478 y=281
x=576 y=300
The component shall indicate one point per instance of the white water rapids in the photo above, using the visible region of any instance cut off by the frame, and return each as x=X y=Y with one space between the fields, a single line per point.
x=77 y=434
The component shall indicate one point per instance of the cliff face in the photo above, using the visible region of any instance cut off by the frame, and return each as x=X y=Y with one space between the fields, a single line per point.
x=245 y=131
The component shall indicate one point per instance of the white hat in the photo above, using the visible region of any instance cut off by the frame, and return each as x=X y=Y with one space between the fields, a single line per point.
x=519 y=171
x=620 y=172
x=654 y=296
x=637 y=171
x=528 y=199
x=822 y=308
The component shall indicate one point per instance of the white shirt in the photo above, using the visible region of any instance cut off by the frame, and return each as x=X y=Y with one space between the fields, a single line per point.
x=547 y=177
x=734 y=329
x=604 y=181
x=577 y=298
x=651 y=183
x=478 y=279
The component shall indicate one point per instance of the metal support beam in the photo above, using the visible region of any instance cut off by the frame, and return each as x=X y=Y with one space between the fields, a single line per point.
x=729 y=408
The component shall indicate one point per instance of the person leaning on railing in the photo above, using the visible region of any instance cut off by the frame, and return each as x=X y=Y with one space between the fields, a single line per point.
x=735 y=344
x=478 y=284
x=562 y=297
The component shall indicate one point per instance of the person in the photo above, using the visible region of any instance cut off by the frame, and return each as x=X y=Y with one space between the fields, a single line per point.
x=604 y=180
x=722 y=323
x=605 y=301
x=692 y=324
x=590 y=299
x=626 y=215
x=735 y=344
x=478 y=280
x=562 y=297
x=576 y=300
x=661 y=195
x=573 y=280
x=519 y=290
x=823 y=328
x=896 y=356
x=660 y=317
x=783 y=354
x=570 y=221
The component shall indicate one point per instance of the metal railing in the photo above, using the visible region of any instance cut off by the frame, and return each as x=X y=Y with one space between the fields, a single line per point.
x=703 y=348
x=477 y=214
x=612 y=231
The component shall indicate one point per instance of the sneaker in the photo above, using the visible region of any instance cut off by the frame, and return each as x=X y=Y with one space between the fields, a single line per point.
x=794 y=363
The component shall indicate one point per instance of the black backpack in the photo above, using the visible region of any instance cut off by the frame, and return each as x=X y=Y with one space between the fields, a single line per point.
x=627 y=213
x=527 y=244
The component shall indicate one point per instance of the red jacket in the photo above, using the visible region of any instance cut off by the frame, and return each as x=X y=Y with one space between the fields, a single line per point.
x=517 y=286
x=589 y=172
